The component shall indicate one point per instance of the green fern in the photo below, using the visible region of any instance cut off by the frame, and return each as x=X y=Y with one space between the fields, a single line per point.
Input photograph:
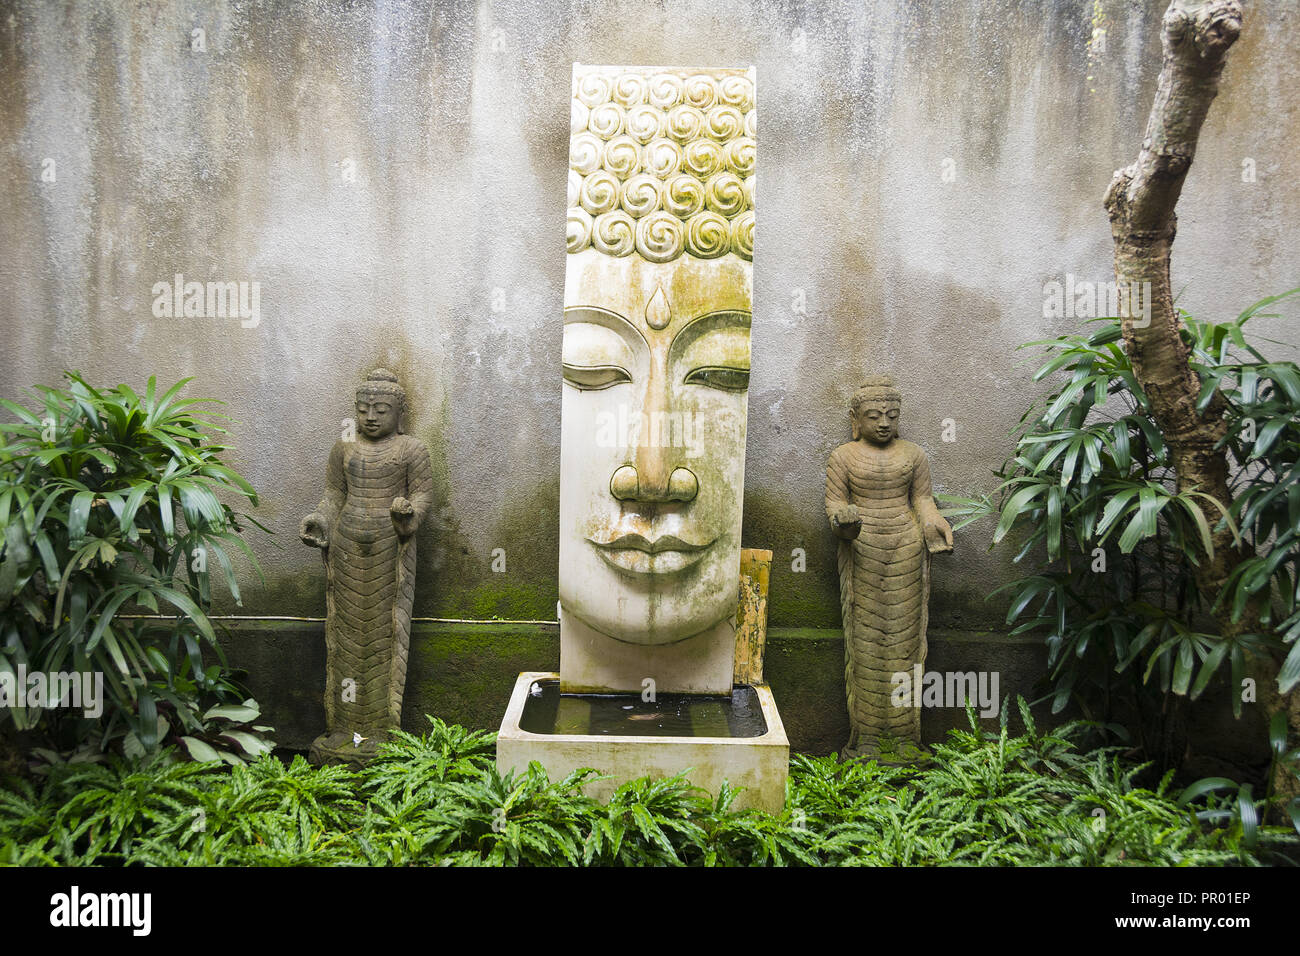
x=986 y=799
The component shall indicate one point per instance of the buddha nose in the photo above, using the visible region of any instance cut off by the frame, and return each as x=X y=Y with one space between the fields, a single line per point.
x=653 y=474
x=627 y=484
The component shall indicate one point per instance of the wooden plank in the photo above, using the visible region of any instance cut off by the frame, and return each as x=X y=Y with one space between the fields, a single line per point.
x=751 y=615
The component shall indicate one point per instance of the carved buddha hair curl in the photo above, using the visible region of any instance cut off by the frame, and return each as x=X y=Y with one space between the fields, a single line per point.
x=651 y=151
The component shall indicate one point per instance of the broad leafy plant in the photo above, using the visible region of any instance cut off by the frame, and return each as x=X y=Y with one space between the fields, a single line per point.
x=1090 y=488
x=1236 y=801
x=113 y=528
x=1263 y=399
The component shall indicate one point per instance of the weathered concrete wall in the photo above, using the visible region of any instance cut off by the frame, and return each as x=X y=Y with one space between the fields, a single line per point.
x=393 y=175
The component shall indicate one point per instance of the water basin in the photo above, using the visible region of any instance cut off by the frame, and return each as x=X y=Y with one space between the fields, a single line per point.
x=547 y=711
x=738 y=739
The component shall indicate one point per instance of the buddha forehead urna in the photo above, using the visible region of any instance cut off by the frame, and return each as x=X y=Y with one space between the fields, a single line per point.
x=656 y=350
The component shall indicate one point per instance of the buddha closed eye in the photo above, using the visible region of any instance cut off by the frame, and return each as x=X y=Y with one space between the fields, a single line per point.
x=592 y=378
x=602 y=349
x=727 y=379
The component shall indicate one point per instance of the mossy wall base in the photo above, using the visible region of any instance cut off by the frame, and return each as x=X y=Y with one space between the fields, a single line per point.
x=464 y=672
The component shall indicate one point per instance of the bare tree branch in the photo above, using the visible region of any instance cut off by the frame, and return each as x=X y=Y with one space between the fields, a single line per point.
x=1196 y=38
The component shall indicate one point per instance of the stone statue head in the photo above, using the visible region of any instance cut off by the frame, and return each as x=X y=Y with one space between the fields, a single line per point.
x=656 y=352
x=381 y=405
x=874 y=410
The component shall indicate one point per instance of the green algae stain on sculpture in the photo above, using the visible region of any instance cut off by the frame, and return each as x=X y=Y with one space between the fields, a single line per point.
x=378 y=489
x=880 y=505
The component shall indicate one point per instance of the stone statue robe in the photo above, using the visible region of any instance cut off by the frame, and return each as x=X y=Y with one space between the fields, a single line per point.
x=370 y=580
x=884 y=582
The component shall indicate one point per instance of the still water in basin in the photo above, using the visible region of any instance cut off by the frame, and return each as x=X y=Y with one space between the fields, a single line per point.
x=547 y=711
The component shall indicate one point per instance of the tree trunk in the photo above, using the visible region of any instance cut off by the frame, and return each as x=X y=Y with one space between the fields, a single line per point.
x=1196 y=38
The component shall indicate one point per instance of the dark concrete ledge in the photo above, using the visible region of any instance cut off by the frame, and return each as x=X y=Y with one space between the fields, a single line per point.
x=463 y=672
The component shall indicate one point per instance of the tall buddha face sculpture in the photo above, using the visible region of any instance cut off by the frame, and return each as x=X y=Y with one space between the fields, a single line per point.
x=656 y=350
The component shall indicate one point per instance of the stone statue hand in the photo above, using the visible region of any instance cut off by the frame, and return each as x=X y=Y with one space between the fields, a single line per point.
x=846 y=521
x=938 y=535
x=403 y=513
x=314 y=530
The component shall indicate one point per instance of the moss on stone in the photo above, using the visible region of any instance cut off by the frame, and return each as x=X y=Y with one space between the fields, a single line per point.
x=508 y=600
x=299 y=594
x=464 y=673
x=461 y=582
x=807 y=598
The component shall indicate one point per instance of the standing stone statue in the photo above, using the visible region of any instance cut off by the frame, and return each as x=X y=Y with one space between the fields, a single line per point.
x=378 y=488
x=879 y=503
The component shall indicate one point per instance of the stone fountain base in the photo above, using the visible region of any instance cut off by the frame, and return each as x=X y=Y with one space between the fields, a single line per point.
x=757 y=763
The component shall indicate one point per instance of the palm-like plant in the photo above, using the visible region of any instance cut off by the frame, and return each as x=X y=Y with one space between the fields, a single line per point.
x=1090 y=488
x=100 y=574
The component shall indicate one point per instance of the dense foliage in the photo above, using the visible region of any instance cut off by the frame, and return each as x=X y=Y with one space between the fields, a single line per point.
x=1090 y=487
x=99 y=574
x=437 y=799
